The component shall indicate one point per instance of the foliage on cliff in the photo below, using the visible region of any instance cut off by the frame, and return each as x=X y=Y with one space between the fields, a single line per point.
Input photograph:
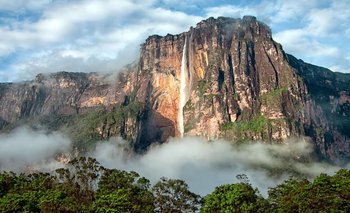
x=84 y=129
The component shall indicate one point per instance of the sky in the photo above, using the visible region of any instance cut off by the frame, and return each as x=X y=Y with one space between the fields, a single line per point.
x=41 y=36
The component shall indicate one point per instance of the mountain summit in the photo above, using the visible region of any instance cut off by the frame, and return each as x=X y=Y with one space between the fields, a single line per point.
x=224 y=78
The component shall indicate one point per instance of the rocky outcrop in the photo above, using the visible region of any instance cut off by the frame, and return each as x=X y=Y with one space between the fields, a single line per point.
x=59 y=93
x=239 y=82
x=241 y=86
x=328 y=109
x=234 y=81
x=87 y=106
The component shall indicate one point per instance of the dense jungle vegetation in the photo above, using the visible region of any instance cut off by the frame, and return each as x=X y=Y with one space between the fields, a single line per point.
x=85 y=186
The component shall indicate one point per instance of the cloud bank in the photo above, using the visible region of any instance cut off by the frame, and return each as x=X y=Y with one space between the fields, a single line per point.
x=205 y=165
x=202 y=164
x=25 y=149
x=81 y=35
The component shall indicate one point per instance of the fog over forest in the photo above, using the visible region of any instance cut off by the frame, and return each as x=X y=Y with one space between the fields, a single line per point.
x=202 y=164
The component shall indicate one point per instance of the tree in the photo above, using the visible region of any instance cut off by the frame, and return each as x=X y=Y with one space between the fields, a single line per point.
x=174 y=196
x=59 y=200
x=86 y=171
x=283 y=197
x=20 y=202
x=240 y=197
x=80 y=179
x=125 y=191
x=7 y=181
x=117 y=201
x=326 y=193
x=24 y=191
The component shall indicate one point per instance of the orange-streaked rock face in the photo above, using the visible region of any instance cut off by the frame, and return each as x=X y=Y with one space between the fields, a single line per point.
x=231 y=62
x=237 y=74
x=161 y=59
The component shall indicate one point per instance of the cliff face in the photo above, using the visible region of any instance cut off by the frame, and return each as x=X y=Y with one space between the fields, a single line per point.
x=59 y=93
x=238 y=82
x=240 y=85
x=87 y=106
x=328 y=109
x=224 y=78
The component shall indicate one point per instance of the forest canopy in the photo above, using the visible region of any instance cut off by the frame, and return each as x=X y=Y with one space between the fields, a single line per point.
x=85 y=186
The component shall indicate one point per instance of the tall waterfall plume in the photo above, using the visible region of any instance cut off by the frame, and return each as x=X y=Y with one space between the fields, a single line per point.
x=182 y=95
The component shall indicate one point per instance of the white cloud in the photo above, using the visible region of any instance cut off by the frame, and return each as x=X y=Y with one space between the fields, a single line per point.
x=347 y=32
x=101 y=32
x=97 y=34
x=24 y=147
x=73 y=53
x=205 y=165
x=290 y=36
x=285 y=11
x=298 y=41
x=320 y=36
x=189 y=4
x=71 y=60
x=333 y=20
x=7 y=5
x=271 y=12
x=63 y=23
x=230 y=11
x=321 y=22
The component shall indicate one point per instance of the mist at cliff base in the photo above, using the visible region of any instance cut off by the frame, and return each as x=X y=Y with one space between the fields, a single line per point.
x=205 y=165
x=24 y=150
x=202 y=164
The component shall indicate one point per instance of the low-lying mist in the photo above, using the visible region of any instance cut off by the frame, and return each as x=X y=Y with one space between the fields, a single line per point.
x=202 y=164
x=24 y=149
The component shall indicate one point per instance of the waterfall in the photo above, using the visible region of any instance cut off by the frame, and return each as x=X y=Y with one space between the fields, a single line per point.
x=182 y=94
x=190 y=67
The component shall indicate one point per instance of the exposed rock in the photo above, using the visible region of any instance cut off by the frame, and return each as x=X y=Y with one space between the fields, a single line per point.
x=242 y=86
x=59 y=93
x=328 y=109
x=237 y=72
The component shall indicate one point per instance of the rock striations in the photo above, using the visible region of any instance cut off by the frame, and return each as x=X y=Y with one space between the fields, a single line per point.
x=224 y=78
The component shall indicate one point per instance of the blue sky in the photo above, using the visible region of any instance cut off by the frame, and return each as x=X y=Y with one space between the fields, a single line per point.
x=103 y=35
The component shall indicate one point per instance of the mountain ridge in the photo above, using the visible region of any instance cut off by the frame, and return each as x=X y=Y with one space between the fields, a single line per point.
x=240 y=85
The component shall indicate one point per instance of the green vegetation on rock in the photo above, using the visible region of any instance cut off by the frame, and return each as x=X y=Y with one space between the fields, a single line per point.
x=101 y=124
x=257 y=124
x=202 y=87
x=88 y=127
x=271 y=97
